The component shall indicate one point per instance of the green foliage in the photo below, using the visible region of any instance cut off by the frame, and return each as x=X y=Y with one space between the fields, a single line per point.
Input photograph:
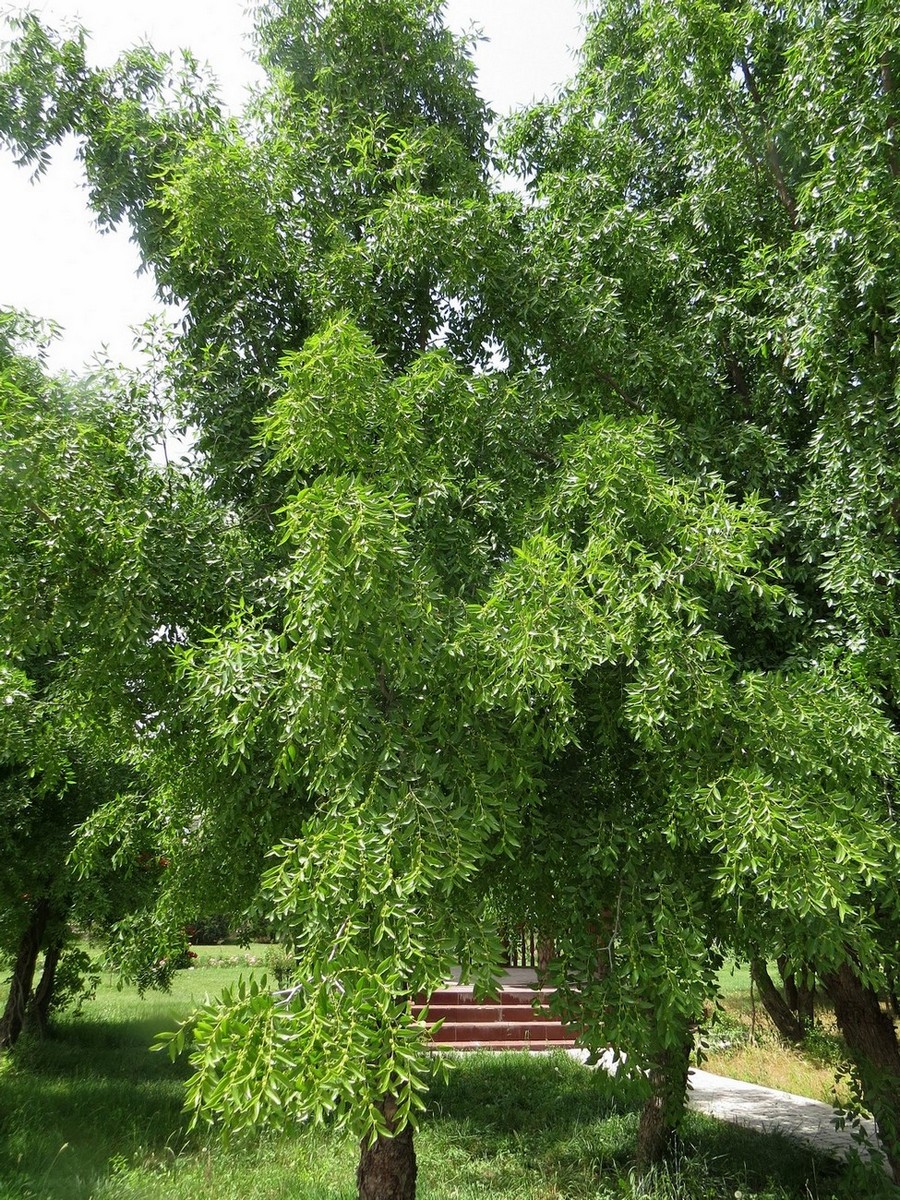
x=711 y=249
x=357 y=1044
x=73 y=619
x=76 y=981
x=281 y=965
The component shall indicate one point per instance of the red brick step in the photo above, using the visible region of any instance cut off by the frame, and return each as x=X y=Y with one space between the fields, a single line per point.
x=501 y=1031
x=478 y=1012
x=508 y=1021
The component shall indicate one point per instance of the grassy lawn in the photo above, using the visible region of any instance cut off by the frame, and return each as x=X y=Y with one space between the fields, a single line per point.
x=91 y=1114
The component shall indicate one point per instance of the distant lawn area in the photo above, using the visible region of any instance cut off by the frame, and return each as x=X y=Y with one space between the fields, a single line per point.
x=92 y=1114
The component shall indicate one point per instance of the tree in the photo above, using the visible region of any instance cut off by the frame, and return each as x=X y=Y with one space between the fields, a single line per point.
x=717 y=215
x=327 y=207
x=88 y=573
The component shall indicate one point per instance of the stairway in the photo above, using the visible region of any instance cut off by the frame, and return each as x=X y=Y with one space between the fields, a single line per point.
x=508 y=1022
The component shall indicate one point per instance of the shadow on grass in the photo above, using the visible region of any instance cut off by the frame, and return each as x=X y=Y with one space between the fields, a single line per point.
x=89 y=1095
x=528 y=1125
x=745 y=1158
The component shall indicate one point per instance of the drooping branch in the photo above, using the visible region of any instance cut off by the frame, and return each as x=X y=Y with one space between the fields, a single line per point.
x=772 y=158
x=887 y=84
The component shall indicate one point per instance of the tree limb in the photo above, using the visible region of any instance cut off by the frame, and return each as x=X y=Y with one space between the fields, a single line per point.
x=887 y=83
x=772 y=158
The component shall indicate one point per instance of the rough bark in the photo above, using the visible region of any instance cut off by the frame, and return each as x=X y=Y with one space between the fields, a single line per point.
x=39 y=1009
x=13 y=1019
x=387 y=1169
x=872 y=1041
x=662 y=1114
x=785 y=1021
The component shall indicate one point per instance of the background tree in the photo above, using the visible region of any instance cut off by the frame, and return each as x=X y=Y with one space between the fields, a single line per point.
x=94 y=563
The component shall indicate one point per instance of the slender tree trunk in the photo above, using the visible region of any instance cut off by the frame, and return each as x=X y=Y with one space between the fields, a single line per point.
x=799 y=992
x=786 y=1022
x=39 y=1009
x=387 y=1169
x=662 y=1114
x=546 y=952
x=17 y=1001
x=872 y=1041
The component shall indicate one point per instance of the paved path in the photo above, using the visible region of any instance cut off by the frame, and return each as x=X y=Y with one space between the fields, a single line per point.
x=769 y=1111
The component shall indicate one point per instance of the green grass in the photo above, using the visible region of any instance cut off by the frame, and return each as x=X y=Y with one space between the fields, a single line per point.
x=734 y=980
x=92 y=1114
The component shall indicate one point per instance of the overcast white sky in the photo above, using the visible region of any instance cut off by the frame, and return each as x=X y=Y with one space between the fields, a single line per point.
x=55 y=264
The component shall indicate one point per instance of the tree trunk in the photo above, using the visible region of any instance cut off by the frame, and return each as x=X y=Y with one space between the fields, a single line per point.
x=39 y=1009
x=806 y=998
x=799 y=992
x=387 y=1168
x=662 y=1114
x=786 y=1022
x=789 y=982
x=872 y=1041
x=17 y=1001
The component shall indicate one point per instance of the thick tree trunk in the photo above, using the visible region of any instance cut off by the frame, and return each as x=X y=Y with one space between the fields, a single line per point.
x=789 y=982
x=872 y=1041
x=387 y=1169
x=799 y=992
x=662 y=1114
x=17 y=1001
x=39 y=1009
x=806 y=998
x=786 y=1022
